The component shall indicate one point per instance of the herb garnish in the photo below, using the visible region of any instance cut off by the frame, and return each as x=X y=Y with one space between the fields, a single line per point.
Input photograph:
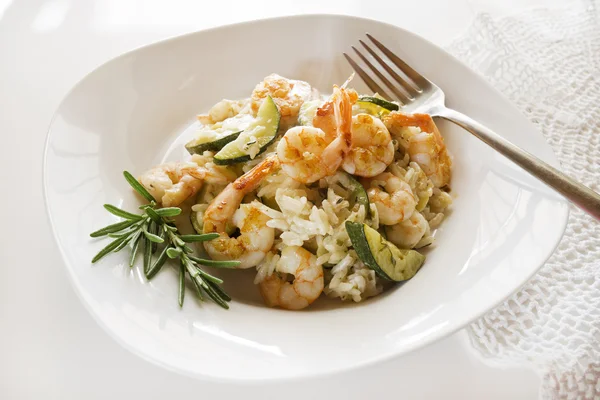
x=154 y=231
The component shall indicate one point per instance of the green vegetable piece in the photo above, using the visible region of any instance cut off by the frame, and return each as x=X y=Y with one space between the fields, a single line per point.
x=378 y=101
x=196 y=146
x=264 y=131
x=359 y=194
x=382 y=256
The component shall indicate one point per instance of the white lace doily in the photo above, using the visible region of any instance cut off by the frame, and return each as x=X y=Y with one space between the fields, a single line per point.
x=548 y=63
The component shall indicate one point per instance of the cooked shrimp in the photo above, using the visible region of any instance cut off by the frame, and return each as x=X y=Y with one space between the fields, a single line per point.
x=288 y=94
x=222 y=110
x=352 y=94
x=255 y=238
x=307 y=285
x=392 y=197
x=334 y=117
x=309 y=153
x=426 y=147
x=409 y=232
x=372 y=149
x=172 y=183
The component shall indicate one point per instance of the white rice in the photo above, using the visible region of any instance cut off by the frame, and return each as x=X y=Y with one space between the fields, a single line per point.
x=320 y=225
x=266 y=267
x=248 y=165
x=350 y=279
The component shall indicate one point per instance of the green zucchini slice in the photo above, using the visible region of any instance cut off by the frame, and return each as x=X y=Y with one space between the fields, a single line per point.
x=214 y=137
x=376 y=106
x=383 y=257
x=255 y=138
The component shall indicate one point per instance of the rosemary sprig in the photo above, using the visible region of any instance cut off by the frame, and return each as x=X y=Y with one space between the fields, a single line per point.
x=154 y=230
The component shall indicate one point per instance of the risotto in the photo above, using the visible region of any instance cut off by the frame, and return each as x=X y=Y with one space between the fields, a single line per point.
x=320 y=195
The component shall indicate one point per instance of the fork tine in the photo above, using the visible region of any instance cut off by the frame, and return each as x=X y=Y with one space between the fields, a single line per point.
x=379 y=75
x=417 y=78
x=401 y=81
x=365 y=77
x=404 y=99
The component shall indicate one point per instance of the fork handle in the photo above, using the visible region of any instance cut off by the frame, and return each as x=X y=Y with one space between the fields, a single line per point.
x=580 y=195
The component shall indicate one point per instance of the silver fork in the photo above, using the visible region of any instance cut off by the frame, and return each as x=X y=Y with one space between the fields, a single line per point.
x=420 y=95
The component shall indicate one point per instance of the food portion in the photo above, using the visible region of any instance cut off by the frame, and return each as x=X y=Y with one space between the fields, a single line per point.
x=322 y=195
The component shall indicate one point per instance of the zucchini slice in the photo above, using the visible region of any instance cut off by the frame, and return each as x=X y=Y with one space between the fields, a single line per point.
x=216 y=136
x=383 y=257
x=255 y=138
x=383 y=103
x=196 y=222
x=199 y=146
x=376 y=105
x=195 y=216
x=359 y=194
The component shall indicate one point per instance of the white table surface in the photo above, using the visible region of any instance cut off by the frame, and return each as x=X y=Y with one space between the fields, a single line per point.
x=50 y=346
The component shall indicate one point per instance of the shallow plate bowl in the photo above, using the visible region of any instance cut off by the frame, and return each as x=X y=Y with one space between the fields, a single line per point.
x=132 y=113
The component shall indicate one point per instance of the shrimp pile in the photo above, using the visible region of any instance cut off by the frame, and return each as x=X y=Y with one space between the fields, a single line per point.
x=283 y=210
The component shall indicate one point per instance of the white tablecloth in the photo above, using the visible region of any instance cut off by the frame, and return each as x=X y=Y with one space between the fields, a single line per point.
x=547 y=62
x=51 y=348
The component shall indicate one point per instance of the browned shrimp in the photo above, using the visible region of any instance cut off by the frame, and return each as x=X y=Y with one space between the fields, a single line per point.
x=426 y=147
x=255 y=238
x=172 y=183
x=288 y=94
x=372 y=149
x=392 y=196
x=309 y=153
x=307 y=285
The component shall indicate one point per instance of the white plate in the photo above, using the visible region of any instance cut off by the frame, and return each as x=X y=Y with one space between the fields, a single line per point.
x=130 y=114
